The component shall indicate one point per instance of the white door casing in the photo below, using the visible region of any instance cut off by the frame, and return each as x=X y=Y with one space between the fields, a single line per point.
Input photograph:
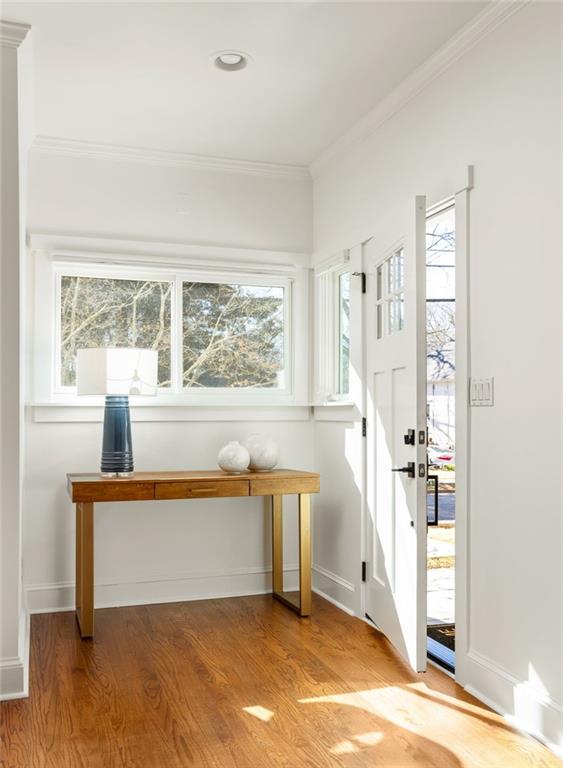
x=395 y=400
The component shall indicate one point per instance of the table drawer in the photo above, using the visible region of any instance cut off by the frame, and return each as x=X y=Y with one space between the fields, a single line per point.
x=120 y=489
x=201 y=489
x=278 y=486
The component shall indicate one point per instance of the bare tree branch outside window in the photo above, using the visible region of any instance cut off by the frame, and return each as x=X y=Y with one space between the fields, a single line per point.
x=109 y=312
x=440 y=315
x=233 y=335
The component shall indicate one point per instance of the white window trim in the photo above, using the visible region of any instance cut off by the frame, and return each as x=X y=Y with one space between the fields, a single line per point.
x=50 y=256
x=327 y=330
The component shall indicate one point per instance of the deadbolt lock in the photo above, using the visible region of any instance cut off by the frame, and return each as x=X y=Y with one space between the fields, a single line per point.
x=409 y=437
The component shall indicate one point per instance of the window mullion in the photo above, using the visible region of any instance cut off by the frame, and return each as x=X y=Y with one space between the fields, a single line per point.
x=177 y=341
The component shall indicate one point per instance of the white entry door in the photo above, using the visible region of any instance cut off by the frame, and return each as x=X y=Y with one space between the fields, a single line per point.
x=395 y=351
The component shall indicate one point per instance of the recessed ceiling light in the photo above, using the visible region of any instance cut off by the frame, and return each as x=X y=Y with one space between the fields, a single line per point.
x=230 y=61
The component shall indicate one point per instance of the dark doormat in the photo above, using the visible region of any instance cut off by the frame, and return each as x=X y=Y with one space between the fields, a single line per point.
x=443 y=634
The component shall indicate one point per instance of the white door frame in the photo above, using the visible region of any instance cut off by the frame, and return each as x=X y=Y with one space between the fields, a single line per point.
x=462 y=423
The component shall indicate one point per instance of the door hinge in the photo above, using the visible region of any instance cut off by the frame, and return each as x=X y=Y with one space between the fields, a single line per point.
x=364 y=570
x=364 y=426
x=363 y=276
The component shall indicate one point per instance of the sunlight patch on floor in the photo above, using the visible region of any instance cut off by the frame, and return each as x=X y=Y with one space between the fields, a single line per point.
x=344 y=748
x=408 y=707
x=369 y=739
x=260 y=712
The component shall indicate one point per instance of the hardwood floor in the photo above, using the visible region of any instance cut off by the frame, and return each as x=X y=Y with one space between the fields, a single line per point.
x=242 y=682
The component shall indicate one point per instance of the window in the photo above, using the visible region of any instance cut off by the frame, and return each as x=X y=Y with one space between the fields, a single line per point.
x=332 y=307
x=344 y=333
x=214 y=336
x=232 y=335
x=230 y=324
x=390 y=294
x=114 y=312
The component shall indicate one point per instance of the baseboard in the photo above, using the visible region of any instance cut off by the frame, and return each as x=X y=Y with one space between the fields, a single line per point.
x=142 y=590
x=334 y=602
x=335 y=589
x=522 y=705
x=14 y=672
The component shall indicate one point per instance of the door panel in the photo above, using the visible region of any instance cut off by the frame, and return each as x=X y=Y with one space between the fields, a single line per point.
x=395 y=348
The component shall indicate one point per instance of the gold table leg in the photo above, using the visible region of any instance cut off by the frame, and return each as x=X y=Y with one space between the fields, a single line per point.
x=277 y=543
x=85 y=568
x=300 y=603
x=304 y=554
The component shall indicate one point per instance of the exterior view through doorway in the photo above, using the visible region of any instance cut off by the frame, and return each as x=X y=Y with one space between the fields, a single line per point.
x=441 y=485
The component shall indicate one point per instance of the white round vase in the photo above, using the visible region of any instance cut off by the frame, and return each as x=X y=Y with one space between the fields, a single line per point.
x=263 y=453
x=233 y=458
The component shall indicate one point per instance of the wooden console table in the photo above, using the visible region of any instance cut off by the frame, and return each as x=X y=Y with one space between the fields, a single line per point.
x=86 y=490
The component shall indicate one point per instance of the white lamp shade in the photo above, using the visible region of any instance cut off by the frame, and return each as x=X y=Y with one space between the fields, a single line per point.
x=116 y=371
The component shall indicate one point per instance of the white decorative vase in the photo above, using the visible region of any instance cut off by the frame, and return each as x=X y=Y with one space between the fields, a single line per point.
x=263 y=453
x=233 y=458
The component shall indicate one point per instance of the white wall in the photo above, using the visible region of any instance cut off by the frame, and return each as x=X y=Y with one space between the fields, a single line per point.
x=149 y=552
x=129 y=200
x=498 y=108
x=337 y=544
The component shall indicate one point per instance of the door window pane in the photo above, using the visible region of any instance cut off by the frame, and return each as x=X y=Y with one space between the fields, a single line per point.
x=440 y=295
x=390 y=281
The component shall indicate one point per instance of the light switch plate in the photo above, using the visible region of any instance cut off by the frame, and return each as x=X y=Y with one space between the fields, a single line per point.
x=481 y=392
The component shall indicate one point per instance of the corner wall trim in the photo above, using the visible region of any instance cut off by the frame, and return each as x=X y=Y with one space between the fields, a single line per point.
x=54 y=145
x=471 y=34
x=14 y=671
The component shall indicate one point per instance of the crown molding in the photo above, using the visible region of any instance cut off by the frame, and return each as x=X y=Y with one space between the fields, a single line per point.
x=462 y=42
x=12 y=34
x=74 y=148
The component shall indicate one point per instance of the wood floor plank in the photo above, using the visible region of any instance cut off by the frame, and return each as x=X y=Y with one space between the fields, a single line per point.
x=243 y=683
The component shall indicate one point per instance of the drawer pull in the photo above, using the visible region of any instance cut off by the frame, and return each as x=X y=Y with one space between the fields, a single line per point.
x=201 y=489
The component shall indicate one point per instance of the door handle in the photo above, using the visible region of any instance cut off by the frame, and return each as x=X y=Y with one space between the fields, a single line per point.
x=409 y=470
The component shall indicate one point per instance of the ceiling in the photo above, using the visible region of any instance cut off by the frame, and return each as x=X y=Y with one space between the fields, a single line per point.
x=142 y=74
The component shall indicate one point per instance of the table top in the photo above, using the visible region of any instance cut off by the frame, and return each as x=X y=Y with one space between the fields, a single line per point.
x=197 y=474
x=151 y=485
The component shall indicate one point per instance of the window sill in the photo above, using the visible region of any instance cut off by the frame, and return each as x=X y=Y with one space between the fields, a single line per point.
x=169 y=412
x=337 y=411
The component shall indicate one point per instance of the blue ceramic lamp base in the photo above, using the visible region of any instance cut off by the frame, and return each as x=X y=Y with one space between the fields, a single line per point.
x=117 y=446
